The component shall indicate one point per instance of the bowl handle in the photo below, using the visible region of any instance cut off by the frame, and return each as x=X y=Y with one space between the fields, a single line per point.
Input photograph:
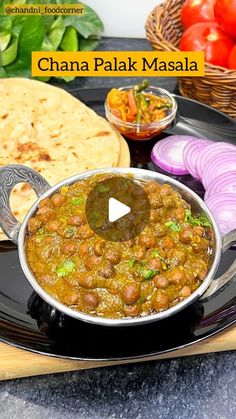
x=219 y=284
x=9 y=177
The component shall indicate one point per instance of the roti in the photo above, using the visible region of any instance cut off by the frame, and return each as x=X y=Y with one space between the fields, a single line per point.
x=49 y=130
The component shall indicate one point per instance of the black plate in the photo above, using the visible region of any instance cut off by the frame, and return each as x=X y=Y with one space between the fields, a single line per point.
x=30 y=323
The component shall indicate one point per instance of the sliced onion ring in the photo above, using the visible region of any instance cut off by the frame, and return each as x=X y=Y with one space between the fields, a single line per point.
x=223 y=208
x=168 y=154
x=226 y=182
x=190 y=155
x=211 y=151
x=217 y=165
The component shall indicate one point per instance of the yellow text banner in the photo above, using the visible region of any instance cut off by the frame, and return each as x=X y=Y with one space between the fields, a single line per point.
x=118 y=63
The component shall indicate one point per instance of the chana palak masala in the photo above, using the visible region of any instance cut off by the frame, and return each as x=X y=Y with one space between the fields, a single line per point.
x=157 y=269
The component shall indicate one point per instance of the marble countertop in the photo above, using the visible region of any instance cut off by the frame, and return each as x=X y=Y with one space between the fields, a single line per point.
x=197 y=387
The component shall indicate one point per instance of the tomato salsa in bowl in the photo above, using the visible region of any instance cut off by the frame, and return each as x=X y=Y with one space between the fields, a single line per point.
x=140 y=112
x=166 y=267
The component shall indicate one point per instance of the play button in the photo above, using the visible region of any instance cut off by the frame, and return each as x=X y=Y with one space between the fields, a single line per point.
x=117 y=208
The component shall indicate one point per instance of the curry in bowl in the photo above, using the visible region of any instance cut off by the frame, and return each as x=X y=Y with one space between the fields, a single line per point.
x=156 y=270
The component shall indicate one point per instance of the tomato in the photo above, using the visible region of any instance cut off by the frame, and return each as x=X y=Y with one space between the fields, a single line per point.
x=225 y=12
x=195 y=11
x=208 y=37
x=232 y=59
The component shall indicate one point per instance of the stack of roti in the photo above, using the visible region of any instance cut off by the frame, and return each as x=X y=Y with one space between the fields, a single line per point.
x=49 y=130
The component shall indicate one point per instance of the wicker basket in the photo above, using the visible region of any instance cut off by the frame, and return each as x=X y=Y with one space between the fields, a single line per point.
x=218 y=87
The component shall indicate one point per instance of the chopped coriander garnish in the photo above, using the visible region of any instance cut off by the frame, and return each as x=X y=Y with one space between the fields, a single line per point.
x=173 y=226
x=131 y=262
x=78 y=201
x=65 y=268
x=156 y=254
x=148 y=273
x=202 y=220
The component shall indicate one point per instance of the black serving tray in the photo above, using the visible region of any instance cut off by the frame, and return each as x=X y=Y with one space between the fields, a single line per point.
x=27 y=322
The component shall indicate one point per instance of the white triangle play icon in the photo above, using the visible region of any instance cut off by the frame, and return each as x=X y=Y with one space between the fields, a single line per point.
x=116 y=210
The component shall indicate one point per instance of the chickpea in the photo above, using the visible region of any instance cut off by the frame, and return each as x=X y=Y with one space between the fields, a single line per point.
x=130 y=293
x=98 y=247
x=84 y=232
x=44 y=253
x=160 y=301
x=69 y=247
x=198 y=230
x=90 y=300
x=169 y=201
x=177 y=276
x=85 y=249
x=47 y=279
x=154 y=264
x=75 y=220
x=132 y=310
x=165 y=190
x=106 y=270
x=186 y=235
x=112 y=255
x=86 y=280
x=199 y=268
x=177 y=255
x=200 y=244
x=91 y=261
x=167 y=242
x=155 y=201
x=160 y=281
x=154 y=216
x=57 y=200
x=48 y=240
x=114 y=287
x=185 y=292
x=45 y=213
x=152 y=187
x=71 y=297
x=44 y=202
x=160 y=229
x=34 y=224
x=202 y=274
x=140 y=253
x=179 y=214
x=147 y=241
x=162 y=253
x=52 y=225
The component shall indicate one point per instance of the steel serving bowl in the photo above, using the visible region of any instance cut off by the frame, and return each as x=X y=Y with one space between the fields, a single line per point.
x=14 y=174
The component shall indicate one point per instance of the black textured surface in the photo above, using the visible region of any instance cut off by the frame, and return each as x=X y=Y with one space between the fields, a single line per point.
x=198 y=387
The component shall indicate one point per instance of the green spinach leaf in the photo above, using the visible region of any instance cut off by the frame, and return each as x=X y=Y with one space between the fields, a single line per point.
x=9 y=55
x=65 y=268
x=56 y=33
x=202 y=220
x=87 y=24
x=173 y=226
